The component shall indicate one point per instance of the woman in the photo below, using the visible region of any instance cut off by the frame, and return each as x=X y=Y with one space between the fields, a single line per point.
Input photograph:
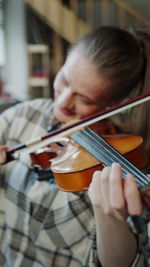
x=43 y=226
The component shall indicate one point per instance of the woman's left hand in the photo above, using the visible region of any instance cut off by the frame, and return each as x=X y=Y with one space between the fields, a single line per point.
x=115 y=196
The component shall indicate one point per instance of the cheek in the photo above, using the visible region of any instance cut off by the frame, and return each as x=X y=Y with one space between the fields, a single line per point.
x=86 y=111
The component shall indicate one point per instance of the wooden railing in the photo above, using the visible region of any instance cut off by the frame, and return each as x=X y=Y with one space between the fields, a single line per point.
x=70 y=19
x=66 y=20
x=60 y=18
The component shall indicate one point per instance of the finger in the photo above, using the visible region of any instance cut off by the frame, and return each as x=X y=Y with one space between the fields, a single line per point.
x=3 y=154
x=94 y=190
x=105 y=189
x=3 y=148
x=132 y=195
x=117 y=199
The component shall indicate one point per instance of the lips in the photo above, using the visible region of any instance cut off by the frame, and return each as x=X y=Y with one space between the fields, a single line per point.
x=67 y=112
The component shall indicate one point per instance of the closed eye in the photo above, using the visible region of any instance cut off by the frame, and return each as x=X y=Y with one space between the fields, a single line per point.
x=87 y=101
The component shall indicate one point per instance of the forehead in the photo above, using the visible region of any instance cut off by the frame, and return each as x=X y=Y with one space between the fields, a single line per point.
x=79 y=64
x=82 y=74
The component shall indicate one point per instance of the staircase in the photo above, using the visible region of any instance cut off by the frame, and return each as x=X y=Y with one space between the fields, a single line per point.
x=61 y=19
x=65 y=17
x=70 y=19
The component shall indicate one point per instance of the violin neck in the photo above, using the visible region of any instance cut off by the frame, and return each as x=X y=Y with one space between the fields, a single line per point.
x=106 y=154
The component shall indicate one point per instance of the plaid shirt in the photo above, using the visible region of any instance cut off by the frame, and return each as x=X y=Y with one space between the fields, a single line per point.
x=41 y=226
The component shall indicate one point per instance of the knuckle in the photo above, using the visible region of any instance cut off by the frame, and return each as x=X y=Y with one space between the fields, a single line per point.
x=96 y=201
x=118 y=206
x=108 y=210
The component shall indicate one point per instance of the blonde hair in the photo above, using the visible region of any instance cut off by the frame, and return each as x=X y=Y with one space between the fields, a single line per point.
x=115 y=54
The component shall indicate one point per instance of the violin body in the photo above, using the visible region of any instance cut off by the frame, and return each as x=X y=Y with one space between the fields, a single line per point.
x=73 y=166
x=73 y=170
x=43 y=156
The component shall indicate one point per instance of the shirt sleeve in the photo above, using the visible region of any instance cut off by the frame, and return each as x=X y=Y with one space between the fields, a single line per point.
x=94 y=261
x=6 y=118
x=140 y=259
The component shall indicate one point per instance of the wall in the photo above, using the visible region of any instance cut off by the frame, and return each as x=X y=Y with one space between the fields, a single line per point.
x=15 y=71
x=2 y=40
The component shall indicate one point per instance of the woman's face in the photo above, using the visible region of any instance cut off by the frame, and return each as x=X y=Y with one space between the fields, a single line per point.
x=79 y=89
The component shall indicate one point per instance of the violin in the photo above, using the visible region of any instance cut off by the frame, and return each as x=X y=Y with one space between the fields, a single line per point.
x=102 y=147
x=73 y=164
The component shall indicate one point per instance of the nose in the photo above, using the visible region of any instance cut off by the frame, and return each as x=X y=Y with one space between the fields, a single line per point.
x=65 y=98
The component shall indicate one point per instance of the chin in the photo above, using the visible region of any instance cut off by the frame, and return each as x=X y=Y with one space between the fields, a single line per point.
x=60 y=116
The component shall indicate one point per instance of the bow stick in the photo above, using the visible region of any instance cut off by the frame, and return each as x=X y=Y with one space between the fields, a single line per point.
x=54 y=136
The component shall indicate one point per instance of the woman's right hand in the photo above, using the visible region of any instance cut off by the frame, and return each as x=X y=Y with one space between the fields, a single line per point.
x=3 y=154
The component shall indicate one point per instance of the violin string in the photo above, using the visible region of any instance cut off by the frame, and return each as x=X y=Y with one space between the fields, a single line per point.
x=106 y=158
x=99 y=148
x=127 y=165
x=98 y=151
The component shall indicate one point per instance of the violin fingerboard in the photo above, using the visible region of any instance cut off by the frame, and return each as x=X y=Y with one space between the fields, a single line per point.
x=106 y=154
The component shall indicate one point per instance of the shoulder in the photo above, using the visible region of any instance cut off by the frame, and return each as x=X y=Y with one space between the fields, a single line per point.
x=29 y=110
x=40 y=103
x=27 y=106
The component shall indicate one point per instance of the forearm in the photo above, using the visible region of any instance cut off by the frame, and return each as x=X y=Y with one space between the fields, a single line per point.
x=116 y=245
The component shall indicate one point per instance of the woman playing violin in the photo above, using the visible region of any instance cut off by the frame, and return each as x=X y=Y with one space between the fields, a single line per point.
x=43 y=226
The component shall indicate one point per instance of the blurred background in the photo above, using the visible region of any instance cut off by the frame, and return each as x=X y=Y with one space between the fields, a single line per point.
x=35 y=36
